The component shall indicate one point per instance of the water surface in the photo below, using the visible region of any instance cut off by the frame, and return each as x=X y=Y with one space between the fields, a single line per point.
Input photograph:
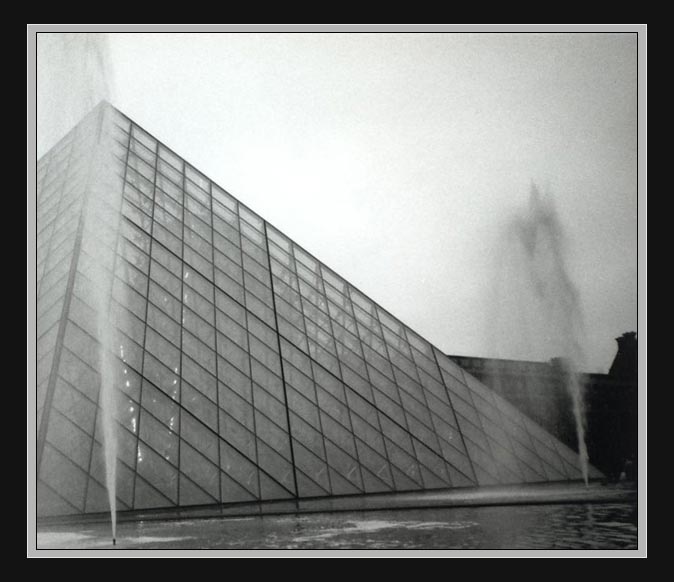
x=592 y=526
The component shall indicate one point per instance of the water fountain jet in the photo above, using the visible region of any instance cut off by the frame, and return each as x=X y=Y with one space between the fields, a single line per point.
x=536 y=305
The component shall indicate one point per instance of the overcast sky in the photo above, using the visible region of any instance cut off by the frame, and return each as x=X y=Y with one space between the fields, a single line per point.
x=398 y=159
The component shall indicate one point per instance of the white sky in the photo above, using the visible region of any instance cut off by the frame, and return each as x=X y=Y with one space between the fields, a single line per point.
x=396 y=159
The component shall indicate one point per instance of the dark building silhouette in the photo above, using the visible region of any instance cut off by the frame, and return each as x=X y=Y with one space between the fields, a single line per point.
x=538 y=389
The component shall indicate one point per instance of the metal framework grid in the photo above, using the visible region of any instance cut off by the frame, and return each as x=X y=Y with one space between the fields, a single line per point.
x=248 y=370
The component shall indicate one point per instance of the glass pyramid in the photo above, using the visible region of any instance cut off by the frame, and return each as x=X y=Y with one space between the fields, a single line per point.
x=243 y=369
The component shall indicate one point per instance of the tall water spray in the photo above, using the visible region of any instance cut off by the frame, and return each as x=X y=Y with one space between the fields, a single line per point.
x=536 y=305
x=73 y=76
x=98 y=240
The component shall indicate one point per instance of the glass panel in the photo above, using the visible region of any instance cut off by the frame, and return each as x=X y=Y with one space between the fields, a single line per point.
x=257 y=268
x=473 y=433
x=325 y=358
x=196 y=302
x=252 y=218
x=484 y=467
x=227 y=305
x=434 y=463
x=333 y=405
x=234 y=378
x=275 y=465
x=161 y=376
x=199 y=377
x=272 y=435
x=192 y=494
x=138 y=198
x=236 y=434
x=143 y=137
x=280 y=259
x=79 y=375
x=263 y=311
x=225 y=226
x=139 y=181
x=162 y=349
x=74 y=405
x=223 y=198
x=239 y=468
x=367 y=433
x=134 y=255
x=132 y=276
x=309 y=436
x=130 y=352
x=82 y=344
x=314 y=468
x=205 y=441
x=200 y=406
x=198 y=262
x=170 y=186
x=291 y=333
x=267 y=379
x=279 y=239
x=224 y=213
x=63 y=476
x=69 y=439
x=159 y=437
x=229 y=286
x=167 y=260
x=303 y=407
x=406 y=464
x=290 y=313
x=197 y=468
x=466 y=410
x=261 y=291
x=199 y=327
x=237 y=406
x=378 y=468
x=345 y=466
x=48 y=319
x=227 y=258
x=232 y=491
x=231 y=329
x=160 y=406
x=167 y=204
x=389 y=407
x=170 y=157
x=271 y=407
x=448 y=366
x=197 y=177
x=170 y=172
x=263 y=332
x=137 y=217
x=147 y=497
x=157 y=471
x=252 y=233
x=233 y=353
x=126 y=413
x=339 y=435
x=84 y=316
x=166 y=302
x=198 y=219
x=169 y=240
x=163 y=324
x=197 y=193
x=265 y=355
x=199 y=352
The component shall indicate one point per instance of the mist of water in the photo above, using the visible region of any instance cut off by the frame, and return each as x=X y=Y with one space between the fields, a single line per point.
x=537 y=313
x=98 y=240
x=73 y=76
